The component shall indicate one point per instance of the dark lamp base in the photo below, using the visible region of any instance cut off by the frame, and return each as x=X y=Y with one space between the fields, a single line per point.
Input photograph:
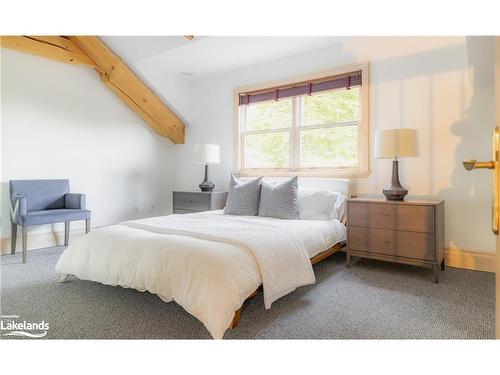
x=395 y=194
x=396 y=191
x=207 y=185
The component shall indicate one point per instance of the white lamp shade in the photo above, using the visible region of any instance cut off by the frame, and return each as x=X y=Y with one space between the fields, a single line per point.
x=396 y=143
x=206 y=154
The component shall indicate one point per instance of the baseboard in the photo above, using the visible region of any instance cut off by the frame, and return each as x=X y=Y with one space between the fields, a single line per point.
x=40 y=240
x=470 y=260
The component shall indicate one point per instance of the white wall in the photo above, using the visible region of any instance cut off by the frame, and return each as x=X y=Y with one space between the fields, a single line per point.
x=60 y=121
x=442 y=86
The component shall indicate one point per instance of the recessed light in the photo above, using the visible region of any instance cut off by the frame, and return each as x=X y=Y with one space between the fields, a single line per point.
x=187 y=74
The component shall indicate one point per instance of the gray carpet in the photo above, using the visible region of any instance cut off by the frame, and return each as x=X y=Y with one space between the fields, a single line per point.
x=371 y=300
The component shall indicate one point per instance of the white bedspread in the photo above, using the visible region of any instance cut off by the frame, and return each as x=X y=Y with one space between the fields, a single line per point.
x=207 y=262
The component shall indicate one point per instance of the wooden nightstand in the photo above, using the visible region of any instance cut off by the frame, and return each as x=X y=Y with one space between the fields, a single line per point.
x=410 y=232
x=186 y=202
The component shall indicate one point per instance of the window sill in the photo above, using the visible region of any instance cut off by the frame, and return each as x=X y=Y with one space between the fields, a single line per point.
x=325 y=173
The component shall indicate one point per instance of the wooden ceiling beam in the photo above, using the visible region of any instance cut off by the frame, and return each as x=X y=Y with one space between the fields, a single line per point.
x=51 y=47
x=130 y=88
x=137 y=109
x=114 y=73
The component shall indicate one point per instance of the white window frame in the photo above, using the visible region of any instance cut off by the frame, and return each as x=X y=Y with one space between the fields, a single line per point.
x=363 y=169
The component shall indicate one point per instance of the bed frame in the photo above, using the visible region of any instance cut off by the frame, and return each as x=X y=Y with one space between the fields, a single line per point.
x=318 y=258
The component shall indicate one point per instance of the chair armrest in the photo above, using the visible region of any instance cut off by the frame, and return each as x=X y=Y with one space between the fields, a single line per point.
x=74 y=201
x=18 y=209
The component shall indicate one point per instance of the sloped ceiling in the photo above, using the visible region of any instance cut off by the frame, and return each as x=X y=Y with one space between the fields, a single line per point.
x=210 y=55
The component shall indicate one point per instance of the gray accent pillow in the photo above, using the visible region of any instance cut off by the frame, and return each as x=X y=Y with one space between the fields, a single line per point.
x=280 y=200
x=243 y=197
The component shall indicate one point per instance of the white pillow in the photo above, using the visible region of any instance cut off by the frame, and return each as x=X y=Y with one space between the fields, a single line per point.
x=320 y=204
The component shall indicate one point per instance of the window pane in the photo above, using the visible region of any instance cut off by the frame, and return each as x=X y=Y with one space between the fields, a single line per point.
x=330 y=147
x=331 y=107
x=271 y=150
x=269 y=115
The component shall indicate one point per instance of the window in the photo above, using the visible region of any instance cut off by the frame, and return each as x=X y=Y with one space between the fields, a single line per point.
x=313 y=127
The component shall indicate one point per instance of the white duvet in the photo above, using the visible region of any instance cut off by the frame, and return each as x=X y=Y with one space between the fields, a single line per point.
x=207 y=262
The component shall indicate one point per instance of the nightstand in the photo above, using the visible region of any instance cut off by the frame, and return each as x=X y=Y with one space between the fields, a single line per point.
x=410 y=232
x=186 y=202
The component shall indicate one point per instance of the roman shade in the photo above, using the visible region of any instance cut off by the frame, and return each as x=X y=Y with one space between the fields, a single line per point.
x=303 y=88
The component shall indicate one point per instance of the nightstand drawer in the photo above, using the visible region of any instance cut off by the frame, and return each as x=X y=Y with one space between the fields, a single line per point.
x=392 y=216
x=192 y=201
x=395 y=243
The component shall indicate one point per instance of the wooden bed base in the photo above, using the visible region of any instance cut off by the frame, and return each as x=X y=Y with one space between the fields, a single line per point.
x=318 y=258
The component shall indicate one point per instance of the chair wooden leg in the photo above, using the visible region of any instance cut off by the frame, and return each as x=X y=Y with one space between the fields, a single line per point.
x=13 y=238
x=66 y=233
x=87 y=225
x=25 y=242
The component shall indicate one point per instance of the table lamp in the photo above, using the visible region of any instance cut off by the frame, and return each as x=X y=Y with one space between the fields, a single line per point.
x=206 y=154
x=394 y=144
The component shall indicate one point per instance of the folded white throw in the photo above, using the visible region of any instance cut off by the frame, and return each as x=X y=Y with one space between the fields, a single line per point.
x=281 y=255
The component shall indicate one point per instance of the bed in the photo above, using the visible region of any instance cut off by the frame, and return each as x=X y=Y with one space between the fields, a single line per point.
x=208 y=262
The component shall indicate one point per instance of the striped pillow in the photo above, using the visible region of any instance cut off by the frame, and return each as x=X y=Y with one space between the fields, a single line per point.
x=280 y=200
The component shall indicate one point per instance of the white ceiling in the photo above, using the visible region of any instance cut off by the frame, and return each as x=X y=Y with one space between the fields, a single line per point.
x=206 y=56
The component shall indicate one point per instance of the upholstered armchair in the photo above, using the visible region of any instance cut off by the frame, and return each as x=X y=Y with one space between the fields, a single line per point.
x=36 y=202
